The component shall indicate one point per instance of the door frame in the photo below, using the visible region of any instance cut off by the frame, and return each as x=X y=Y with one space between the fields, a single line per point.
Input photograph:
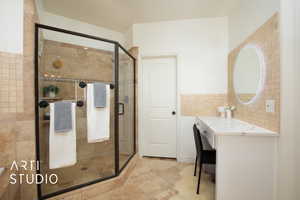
x=140 y=98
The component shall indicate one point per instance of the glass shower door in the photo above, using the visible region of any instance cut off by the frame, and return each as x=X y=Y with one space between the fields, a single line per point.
x=126 y=107
x=65 y=61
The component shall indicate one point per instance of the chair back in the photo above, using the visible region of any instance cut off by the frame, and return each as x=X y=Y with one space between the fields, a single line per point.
x=198 y=140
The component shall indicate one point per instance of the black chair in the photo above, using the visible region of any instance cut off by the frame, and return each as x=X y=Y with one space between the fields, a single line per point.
x=203 y=156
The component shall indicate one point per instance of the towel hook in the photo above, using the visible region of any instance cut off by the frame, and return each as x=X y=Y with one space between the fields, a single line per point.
x=43 y=104
x=80 y=103
x=82 y=84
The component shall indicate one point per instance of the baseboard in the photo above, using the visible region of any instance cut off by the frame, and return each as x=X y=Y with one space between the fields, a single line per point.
x=186 y=159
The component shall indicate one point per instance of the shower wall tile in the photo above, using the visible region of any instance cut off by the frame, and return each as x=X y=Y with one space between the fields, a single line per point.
x=11 y=77
x=17 y=133
x=77 y=62
x=28 y=191
x=96 y=158
x=202 y=104
x=25 y=150
x=25 y=130
x=8 y=191
x=267 y=38
x=7 y=143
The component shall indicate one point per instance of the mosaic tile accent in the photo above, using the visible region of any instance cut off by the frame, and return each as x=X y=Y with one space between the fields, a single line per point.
x=267 y=38
x=11 y=80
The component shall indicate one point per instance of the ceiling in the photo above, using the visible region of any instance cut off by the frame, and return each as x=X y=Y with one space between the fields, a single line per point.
x=119 y=15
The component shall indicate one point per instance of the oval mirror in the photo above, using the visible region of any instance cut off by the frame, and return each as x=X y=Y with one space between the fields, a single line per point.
x=249 y=74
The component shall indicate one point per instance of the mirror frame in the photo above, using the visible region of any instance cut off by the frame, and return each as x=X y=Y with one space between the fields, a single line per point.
x=262 y=79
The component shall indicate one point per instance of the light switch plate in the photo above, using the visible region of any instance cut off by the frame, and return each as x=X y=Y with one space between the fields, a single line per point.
x=270 y=106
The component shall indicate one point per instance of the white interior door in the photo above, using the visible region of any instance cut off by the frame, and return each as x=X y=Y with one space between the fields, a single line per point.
x=159 y=123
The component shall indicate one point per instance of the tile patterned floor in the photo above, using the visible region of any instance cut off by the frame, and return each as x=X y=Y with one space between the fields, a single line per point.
x=161 y=179
x=83 y=172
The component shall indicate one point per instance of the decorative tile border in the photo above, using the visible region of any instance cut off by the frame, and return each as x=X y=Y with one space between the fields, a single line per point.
x=202 y=104
x=11 y=80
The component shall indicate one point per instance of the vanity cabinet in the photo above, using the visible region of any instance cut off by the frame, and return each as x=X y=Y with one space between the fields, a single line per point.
x=246 y=158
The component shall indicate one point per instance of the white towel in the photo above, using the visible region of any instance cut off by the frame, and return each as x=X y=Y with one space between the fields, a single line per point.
x=62 y=146
x=98 y=119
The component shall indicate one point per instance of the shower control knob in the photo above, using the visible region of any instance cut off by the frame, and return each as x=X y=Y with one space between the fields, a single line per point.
x=173 y=113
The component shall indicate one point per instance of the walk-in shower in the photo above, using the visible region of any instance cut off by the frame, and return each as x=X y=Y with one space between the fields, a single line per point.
x=65 y=63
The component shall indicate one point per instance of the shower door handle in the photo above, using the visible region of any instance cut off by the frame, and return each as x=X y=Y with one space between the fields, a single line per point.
x=121 y=108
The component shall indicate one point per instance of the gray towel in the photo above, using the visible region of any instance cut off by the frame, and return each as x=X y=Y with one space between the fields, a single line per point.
x=62 y=116
x=100 y=95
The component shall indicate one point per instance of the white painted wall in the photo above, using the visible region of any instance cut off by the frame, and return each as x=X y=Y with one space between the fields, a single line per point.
x=288 y=171
x=186 y=150
x=201 y=47
x=297 y=92
x=248 y=17
x=244 y=21
x=128 y=38
x=77 y=26
x=11 y=23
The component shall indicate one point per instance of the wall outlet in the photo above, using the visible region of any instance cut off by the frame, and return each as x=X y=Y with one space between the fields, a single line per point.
x=270 y=106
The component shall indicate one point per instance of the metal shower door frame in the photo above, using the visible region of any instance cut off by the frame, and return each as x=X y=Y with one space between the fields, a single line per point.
x=117 y=45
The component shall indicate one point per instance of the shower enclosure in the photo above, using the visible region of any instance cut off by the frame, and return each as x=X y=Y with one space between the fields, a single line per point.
x=65 y=62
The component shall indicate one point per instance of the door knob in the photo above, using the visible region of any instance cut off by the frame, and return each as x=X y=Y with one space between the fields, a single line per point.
x=173 y=113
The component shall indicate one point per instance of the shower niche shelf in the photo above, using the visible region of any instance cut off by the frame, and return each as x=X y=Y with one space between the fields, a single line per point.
x=51 y=98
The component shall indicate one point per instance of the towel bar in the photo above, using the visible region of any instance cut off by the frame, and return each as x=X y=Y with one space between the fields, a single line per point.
x=45 y=104
x=83 y=85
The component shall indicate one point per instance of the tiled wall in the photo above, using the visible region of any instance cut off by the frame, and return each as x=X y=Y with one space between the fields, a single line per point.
x=17 y=136
x=11 y=80
x=245 y=97
x=78 y=63
x=202 y=104
x=267 y=38
x=17 y=114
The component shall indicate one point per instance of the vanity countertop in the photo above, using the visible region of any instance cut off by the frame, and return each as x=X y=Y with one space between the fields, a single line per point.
x=231 y=127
